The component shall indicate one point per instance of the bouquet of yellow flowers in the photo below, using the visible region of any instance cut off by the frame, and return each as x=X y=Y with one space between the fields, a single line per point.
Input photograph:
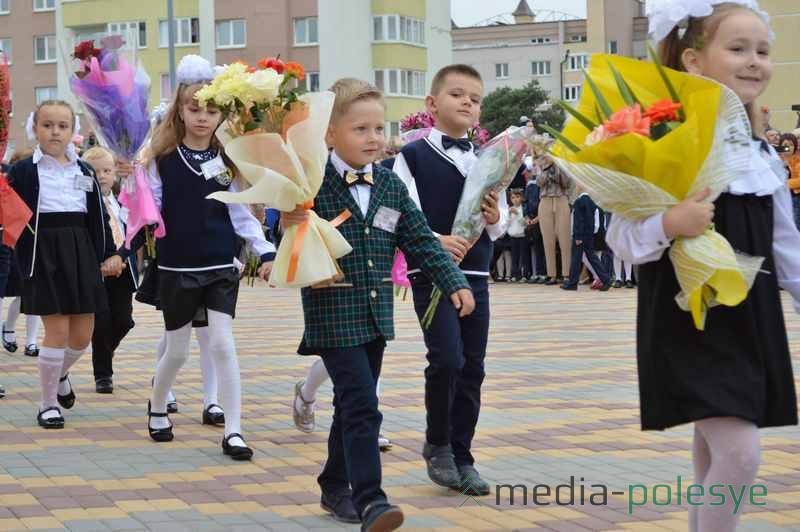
x=276 y=138
x=642 y=139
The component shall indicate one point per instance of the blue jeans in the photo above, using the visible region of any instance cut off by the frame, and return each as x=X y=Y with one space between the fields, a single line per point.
x=353 y=455
x=455 y=372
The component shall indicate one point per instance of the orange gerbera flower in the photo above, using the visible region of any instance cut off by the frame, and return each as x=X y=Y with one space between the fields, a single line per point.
x=295 y=70
x=663 y=111
x=627 y=120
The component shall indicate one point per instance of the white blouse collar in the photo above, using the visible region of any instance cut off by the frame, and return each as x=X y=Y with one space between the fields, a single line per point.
x=71 y=153
x=766 y=174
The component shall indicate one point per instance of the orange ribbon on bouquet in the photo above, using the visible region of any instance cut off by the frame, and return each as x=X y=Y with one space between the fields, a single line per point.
x=297 y=246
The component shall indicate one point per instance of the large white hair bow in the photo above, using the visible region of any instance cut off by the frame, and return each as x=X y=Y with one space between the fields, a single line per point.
x=194 y=69
x=664 y=15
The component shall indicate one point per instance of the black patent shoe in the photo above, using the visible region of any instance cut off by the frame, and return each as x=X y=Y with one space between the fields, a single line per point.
x=235 y=451
x=8 y=346
x=32 y=350
x=213 y=418
x=172 y=407
x=53 y=422
x=159 y=435
x=66 y=401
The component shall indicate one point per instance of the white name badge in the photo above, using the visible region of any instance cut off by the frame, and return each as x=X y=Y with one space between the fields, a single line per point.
x=386 y=219
x=84 y=183
x=213 y=168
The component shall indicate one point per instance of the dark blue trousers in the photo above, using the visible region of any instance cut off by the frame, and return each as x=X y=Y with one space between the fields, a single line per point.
x=353 y=456
x=578 y=250
x=455 y=372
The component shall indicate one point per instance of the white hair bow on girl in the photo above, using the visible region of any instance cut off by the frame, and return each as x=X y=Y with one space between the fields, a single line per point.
x=194 y=69
x=664 y=15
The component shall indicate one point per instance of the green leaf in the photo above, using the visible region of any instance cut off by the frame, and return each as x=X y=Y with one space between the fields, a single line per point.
x=250 y=126
x=670 y=87
x=624 y=89
x=583 y=119
x=564 y=140
x=605 y=108
x=597 y=114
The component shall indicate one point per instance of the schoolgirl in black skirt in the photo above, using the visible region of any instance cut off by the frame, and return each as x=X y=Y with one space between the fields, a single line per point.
x=198 y=279
x=735 y=376
x=63 y=258
x=10 y=288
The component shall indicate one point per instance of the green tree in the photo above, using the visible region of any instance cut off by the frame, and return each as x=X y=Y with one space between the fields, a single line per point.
x=503 y=107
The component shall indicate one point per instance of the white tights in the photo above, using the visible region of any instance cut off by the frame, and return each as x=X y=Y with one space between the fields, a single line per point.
x=317 y=375
x=223 y=351
x=726 y=451
x=207 y=369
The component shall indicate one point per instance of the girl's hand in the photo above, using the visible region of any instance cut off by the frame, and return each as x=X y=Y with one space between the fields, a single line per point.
x=295 y=217
x=112 y=266
x=265 y=270
x=689 y=218
x=124 y=168
x=491 y=213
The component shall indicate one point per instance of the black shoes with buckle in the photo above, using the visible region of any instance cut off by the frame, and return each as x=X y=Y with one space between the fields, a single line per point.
x=66 y=401
x=236 y=452
x=159 y=435
x=213 y=418
x=51 y=422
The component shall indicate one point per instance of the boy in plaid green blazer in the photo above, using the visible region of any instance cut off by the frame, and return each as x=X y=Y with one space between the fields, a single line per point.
x=350 y=322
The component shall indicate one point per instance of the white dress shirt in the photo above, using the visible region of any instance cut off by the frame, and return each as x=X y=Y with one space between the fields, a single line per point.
x=244 y=223
x=360 y=193
x=57 y=191
x=642 y=241
x=463 y=161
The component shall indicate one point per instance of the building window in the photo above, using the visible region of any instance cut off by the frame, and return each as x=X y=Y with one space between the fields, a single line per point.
x=572 y=93
x=392 y=129
x=187 y=32
x=540 y=68
x=541 y=40
x=4 y=7
x=44 y=5
x=613 y=48
x=501 y=70
x=45 y=49
x=5 y=48
x=312 y=81
x=166 y=88
x=579 y=38
x=45 y=93
x=395 y=82
x=578 y=62
x=305 y=31
x=130 y=31
x=396 y=28
x=231 y=33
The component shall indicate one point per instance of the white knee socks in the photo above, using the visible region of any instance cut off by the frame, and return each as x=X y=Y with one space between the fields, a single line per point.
x=50 y=363
x=70 y=357
x=31 y=329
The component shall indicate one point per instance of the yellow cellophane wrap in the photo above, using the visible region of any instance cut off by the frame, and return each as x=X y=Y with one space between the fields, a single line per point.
x=284 y=175
x=636 y=177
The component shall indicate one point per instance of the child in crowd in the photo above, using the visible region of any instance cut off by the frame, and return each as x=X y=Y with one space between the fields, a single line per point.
x=519 y=244
x=585 y=217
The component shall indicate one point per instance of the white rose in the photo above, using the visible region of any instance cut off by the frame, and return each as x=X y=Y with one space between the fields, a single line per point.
x=265 y=83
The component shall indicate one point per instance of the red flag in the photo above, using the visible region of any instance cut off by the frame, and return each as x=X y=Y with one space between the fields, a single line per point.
x=14 y=213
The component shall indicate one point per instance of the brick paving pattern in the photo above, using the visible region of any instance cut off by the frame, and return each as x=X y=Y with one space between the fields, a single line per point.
x=560 y=400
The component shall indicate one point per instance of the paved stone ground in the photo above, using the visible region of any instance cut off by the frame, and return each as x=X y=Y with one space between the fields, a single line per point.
x=560 y=400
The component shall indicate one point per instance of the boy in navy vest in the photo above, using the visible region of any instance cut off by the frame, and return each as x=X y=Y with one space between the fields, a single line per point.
x=584 y=216
x=349 y=323
x=434 y=169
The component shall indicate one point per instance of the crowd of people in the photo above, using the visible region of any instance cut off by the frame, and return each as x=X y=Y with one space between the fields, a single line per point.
x=76 y=272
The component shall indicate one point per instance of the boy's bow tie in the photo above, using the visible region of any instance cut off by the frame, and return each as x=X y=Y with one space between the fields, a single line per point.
x=461 y=144
x=358 y=178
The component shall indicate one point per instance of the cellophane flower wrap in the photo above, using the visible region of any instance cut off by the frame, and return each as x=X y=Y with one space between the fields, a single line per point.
x=699 y=138
x=276 y=138
x=497 y=164
x=114 y=92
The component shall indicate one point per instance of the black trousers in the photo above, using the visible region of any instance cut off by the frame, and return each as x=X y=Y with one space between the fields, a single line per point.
x=520 y=257
x=110 y=327
x=455 y=372
x=578 y=250
x=353 y=455
x=537 y=245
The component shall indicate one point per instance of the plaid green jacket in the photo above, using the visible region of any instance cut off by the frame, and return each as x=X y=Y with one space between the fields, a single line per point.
x=361 y=307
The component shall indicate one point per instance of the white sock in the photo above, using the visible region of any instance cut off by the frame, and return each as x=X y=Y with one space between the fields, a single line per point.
x=207 y=370
x=11 y=320
x=161 y=348
x=378 y=388
x=734 y=449
x=31 y=329
x=70 y=357
x=223 y=349
x=617 y=268
x=50 y=361
x=317 y=375
x=175 y=356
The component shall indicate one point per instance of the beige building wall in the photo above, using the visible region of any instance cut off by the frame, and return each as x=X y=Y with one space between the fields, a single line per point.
x=21 y=25
x=784 y=90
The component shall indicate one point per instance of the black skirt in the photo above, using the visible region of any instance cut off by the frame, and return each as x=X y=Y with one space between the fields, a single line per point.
x=740 y=365
x=9 y=272
x=66 y=276
x=187 y=296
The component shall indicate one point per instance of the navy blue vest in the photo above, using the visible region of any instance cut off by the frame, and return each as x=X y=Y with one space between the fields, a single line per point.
x=199 y=230
x=439 y=184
